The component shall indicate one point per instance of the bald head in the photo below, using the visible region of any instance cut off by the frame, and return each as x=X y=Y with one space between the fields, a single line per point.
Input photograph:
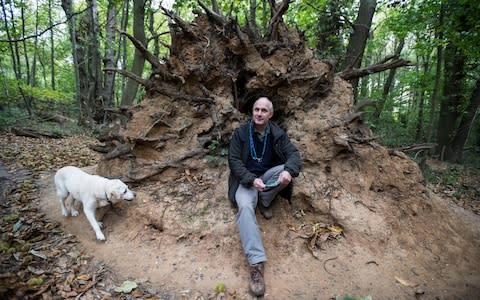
x=264 y=101
x=262 y=112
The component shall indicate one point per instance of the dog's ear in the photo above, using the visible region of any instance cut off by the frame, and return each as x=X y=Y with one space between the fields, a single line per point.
x=117 y=189
x=114 y=190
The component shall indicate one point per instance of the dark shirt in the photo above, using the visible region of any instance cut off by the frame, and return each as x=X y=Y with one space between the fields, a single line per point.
x=267 y=160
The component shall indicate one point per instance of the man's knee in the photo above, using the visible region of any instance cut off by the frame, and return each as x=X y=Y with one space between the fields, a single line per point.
x=246 y=204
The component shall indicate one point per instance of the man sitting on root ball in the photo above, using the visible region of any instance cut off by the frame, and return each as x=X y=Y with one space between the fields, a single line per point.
x=262 y=162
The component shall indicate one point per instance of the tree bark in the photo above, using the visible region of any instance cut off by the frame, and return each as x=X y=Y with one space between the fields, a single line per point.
x=122 y=45
x=68 y=9
x=358 y=39
x=438 y=76
x=33 y=78
x=130 y=91
x=52 y=47
x=419 y=133
x=252 y=17
x=24 y=44
x=109 y=56
x=388 y=86
x=449 y=108
x=466 y=123
x=95 y=75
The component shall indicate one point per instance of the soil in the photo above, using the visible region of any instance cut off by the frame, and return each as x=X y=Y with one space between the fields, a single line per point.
x=188 y=244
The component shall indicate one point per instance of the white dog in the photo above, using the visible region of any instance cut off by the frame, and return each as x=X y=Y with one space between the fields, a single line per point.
x=92 y=190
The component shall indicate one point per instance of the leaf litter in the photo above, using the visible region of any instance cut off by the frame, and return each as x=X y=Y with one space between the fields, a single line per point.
x=39 y=260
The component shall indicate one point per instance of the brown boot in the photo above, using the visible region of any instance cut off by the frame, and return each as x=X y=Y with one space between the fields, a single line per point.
x=266 y=212
x=257 y=284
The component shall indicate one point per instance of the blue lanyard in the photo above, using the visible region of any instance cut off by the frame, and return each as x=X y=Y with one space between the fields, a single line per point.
x=253 y=152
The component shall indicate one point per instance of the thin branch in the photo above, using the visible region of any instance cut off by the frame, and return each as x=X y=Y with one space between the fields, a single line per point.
x=152 y=59
x=376 y=68
x=179 y=22
x=216 y=17
x=45 y=30
x=130 y=75
x=277 y=17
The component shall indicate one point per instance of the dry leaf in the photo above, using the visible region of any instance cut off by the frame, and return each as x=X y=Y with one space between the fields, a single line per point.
x=405 y=282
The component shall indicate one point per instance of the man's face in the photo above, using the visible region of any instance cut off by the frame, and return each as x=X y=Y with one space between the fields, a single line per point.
x=262 y=112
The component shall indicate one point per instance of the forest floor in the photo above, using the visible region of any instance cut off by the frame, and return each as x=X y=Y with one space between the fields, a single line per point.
x=169 y=246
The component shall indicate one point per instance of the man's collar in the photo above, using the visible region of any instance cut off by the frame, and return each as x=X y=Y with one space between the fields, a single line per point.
x=266 y=131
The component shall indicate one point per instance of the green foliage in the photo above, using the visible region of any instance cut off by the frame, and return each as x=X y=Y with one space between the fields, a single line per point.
x=393 y=134
x=16 y=117
x=324 y=24
x=220 y=288
x=443 y=177
x=216 y=154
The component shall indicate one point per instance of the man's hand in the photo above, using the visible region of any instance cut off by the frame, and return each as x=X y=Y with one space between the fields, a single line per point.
x=284 y=178
x=259 y=184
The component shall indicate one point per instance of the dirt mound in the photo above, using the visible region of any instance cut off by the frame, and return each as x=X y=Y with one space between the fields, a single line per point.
x=399 y=240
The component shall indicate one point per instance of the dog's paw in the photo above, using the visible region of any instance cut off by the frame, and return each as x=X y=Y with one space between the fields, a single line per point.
x=100 y=236
x=74 y=213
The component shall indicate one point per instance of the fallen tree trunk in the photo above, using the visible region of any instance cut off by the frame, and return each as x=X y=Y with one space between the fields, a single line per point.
x=35 y=133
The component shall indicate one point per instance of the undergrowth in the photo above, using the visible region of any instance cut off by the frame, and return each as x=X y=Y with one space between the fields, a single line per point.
x=19 y=118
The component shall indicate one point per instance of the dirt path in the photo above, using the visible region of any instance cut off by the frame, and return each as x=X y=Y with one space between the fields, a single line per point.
x=153 y=241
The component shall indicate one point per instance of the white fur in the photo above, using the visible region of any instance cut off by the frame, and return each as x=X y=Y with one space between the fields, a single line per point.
x=92 y=190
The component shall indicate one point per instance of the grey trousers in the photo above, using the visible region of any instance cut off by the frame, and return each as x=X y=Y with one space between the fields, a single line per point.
x=247 y=199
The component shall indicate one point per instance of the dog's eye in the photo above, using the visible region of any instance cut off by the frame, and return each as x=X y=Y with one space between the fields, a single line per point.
x=125 y=191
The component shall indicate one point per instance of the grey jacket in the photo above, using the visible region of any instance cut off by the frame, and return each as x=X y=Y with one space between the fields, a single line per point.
x=238 y=152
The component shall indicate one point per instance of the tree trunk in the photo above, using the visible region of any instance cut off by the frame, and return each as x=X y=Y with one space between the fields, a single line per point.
x=130 y=91
x=68 y=9
x=88 y=67
x=93 y=57
x=420 y=95
x=15 y=43
x=452 y=99
x=122 y=46
x=252 y=17
x=358 y=39
x=153 y=33
x=33 y=78
x=52 y=47
x=389 y=83
x=438 y=75
x=466 y=123
x=109 y=58
x=365 y=90
x=24 y=44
